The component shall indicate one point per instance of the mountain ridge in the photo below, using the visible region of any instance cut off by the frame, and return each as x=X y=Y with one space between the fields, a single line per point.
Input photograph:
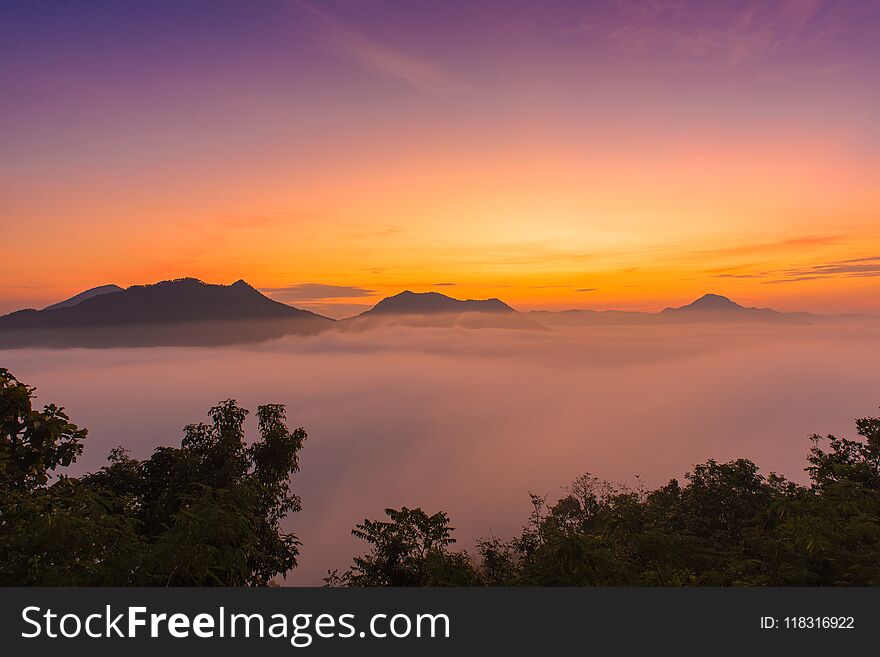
x=187 y=311
x=169 y=301
x=86 y=294
x=713 y=303
x=720 y=308
x=408 y=302
x=184 y=311
x=709 y=308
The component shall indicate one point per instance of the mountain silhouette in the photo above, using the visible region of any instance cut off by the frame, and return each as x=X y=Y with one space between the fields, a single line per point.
x=709 y=308
x=435 y=310
x=184 y=311
x=430 y=303
x=709 y=302
x=82 y=296
x=188 y=312
x=717 y=308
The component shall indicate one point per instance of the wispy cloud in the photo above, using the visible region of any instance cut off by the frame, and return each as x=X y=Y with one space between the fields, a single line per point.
x=316 y=292
x=787 y=245
x=587 y=289
x=388 y=231
x=865 y=267
x=537 y=254
x=381 y=58
x=736 y=32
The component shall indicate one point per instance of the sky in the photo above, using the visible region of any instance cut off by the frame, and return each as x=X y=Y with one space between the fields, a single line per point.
x=555 y=154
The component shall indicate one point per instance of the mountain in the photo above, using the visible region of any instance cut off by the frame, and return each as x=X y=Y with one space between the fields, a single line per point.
x=432 y=303
x=711 y=303
x=188 y=312
x=184 y=311
x=82 y=296
x=717 y=308
x=709 y=309
x=435 y=310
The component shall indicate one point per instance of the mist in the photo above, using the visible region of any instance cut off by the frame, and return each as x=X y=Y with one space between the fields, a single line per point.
x=471 y=420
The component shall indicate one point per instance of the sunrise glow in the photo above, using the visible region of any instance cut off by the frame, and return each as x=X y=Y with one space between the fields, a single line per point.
x=584 y=157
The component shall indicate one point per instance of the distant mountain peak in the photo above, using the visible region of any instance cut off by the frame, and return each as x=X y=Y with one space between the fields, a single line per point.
x=82 y=296
x=709 y=303
x=410 y=294
x=715 y=307
x=184 y=281
x=169 y=301
x=713 y=301
x=427 y=303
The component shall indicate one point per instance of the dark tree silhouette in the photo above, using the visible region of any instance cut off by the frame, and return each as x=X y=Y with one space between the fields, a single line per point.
x=410 y=549
x=205 y=513
x=726 y=525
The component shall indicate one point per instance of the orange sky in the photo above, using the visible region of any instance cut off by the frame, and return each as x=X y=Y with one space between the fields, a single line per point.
x=530 y=170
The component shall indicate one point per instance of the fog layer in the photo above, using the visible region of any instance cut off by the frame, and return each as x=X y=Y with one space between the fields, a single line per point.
x=471 y=420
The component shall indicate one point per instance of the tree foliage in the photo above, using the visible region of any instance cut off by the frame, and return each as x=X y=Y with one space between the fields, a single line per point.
x=206 y=513
x=725 y=525
x=410 y=549
x=34 y=442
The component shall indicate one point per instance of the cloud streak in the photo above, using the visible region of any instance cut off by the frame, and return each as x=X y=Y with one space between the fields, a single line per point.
x=316 y=292
x=865 y=267
x=380 y=58
x=736 y=33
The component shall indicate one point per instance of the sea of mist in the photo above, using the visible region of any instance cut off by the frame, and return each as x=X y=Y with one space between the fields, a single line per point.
x=471 y=420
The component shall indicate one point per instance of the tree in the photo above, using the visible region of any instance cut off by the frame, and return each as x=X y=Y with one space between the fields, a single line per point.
x=206 y=513
x=725 y=525
x=410 y=549
x=32 y=443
